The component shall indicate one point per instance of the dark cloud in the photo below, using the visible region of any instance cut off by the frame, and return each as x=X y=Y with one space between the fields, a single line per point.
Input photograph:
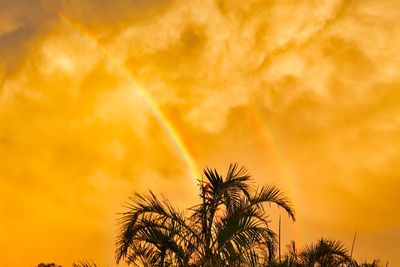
x=29 y=21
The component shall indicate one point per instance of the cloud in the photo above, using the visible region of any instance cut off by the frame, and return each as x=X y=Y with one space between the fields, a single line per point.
x=306 y=93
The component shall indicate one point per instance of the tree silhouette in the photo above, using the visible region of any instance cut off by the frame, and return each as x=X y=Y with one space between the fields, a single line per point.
x=229 y=227
x=84 y=263
x=326 y=252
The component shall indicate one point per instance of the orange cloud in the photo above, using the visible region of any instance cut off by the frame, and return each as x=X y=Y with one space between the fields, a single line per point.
x=304 y=94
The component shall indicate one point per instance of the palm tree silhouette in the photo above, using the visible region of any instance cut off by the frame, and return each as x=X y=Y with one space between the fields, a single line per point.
x=326 y=252
x=229 y=227
x=84 y=263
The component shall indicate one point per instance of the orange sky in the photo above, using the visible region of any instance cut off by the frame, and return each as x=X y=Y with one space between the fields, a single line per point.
x=101 y=98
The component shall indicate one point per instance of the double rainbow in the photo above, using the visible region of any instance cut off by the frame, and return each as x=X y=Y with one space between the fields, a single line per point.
x=173 y=135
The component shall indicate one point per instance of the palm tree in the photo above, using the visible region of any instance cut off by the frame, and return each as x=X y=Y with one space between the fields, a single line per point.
x=229 y=227
x=374 y=263
x=84 y=263
x=326 y=252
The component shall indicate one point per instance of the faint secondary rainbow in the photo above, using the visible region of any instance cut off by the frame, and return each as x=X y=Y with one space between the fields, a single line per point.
x=286 y=172
x=148 y=99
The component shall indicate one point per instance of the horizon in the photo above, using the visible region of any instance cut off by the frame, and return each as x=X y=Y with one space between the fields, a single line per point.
x=99 y=100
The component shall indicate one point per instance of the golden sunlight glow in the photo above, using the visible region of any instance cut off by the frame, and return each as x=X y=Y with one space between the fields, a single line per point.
x=102 y=98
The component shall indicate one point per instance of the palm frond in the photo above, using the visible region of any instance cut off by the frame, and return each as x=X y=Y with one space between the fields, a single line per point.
x=229 y=227
x=272 y=194
x=84 y=263
x=326 y=252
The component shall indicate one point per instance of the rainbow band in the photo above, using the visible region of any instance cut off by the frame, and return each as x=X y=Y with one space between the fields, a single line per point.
x=285 y=170
x=174 y=136
x=154 y=108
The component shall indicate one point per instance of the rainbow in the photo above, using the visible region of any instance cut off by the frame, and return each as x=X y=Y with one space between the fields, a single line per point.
x=154 y=108
x=285 y=171
x=288 y=176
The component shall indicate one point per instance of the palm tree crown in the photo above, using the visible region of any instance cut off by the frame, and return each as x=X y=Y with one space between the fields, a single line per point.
x=229 y=227
x=326 y=252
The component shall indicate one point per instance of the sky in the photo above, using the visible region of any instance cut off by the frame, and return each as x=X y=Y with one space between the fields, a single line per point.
x=100 y=99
